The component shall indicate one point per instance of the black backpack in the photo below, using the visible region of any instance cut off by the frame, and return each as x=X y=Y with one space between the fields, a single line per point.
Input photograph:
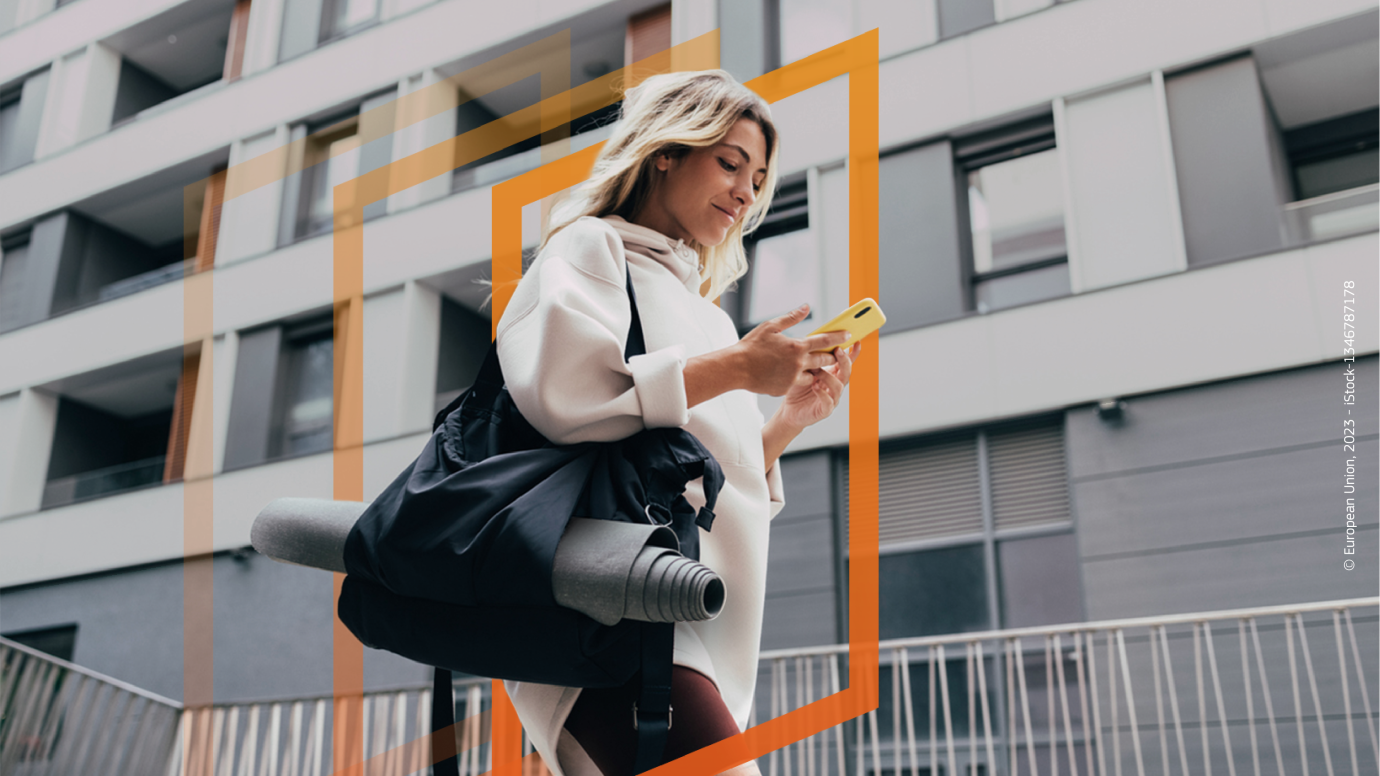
x=450 y=565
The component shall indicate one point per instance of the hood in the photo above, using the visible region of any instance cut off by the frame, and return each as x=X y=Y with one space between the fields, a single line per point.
x=682 y=260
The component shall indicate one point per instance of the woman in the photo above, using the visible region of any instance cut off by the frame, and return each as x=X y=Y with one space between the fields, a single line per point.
x=690 y=168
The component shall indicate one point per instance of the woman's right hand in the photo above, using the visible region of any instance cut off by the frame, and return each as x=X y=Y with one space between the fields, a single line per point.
x=771 y=362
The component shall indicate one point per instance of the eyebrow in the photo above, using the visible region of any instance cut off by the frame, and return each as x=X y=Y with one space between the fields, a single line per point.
x=746 y=158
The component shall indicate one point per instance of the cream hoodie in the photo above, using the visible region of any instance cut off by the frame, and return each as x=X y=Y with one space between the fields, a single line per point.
x=560 y=343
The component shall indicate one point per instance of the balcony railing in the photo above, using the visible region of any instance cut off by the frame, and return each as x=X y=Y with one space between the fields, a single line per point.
x=1333 y=215
x=103 y=482
x=1277 y=690
x=1281 y=689
x=58 y=718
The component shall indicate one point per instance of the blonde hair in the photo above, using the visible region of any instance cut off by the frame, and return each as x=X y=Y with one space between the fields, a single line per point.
x=673 y=113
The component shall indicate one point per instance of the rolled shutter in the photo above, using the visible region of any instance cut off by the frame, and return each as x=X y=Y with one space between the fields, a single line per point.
x=1029 y=476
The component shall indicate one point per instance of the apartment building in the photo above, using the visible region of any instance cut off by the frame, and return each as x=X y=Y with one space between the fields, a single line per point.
x=1124 y=372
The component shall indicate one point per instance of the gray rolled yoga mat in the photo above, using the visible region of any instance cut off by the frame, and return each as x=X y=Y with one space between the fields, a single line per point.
x=605 y=569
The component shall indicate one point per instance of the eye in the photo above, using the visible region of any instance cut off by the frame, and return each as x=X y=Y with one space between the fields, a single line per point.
x=727 y=166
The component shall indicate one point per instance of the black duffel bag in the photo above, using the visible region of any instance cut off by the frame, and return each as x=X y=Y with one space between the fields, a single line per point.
x=451 y=564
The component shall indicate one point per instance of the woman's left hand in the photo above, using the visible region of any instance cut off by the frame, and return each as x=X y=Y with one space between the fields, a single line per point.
x=816 y=392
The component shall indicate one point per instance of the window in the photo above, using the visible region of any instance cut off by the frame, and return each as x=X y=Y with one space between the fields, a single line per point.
x=463 y=343
x=1015 y=215
x=310 y=23
x=282 y=402
x=1334 y=167
x=59 y=641
x=783 y=264
x=345 y=17
x=21 y=108
x=304 y=406
x=975 y=531
x=330 y=151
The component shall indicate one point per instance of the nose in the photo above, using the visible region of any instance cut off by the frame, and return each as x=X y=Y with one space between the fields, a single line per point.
x=742 y=191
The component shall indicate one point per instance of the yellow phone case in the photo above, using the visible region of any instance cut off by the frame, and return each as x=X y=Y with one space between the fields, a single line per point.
x=863 y=318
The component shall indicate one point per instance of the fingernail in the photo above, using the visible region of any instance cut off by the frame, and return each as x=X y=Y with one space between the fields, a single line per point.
x=803 y=307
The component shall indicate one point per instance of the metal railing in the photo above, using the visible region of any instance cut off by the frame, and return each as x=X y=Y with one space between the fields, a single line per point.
x=1271 y=690
x=58 y=718
x=62 y=491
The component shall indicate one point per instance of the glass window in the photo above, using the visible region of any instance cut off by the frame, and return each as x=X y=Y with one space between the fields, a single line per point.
x=1336 y=177
x=1016 y=211
x=783 y=265
x=9 y=131
x=932 y=592
x=342 y=17
x=308 y=395
x=785 y=275
x=331 y=158
x=1039 y=581
x=1015 y=215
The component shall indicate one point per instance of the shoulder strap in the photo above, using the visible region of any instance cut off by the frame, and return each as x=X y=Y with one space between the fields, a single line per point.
x=636 y=344
x=652 y=711
x=443 y=724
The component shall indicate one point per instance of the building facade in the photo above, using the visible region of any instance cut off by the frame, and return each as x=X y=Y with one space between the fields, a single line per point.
x=1119 y=244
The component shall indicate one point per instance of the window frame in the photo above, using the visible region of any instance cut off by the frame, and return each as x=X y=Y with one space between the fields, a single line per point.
x=1015 y=140
x=790 y=212
x=296 y=338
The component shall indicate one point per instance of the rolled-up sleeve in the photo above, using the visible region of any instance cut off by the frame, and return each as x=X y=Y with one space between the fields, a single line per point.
x=561 y=341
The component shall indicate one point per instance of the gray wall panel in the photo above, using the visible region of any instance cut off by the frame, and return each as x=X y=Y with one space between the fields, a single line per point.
x=805 y=480
x=268 y=644
x=802 y=557
x=1229 y=418
x=251 y=400
x=1227 y=576
x=801 y=620
x=742 y=32
x=921 y=270
x=1228 y=193
x=19 y=149
x=1224 y=501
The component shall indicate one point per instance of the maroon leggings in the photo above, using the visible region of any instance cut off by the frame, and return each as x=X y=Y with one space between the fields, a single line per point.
x=601 y=721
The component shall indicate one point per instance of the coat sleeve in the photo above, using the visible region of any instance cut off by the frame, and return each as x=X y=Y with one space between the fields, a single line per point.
x=561 y=340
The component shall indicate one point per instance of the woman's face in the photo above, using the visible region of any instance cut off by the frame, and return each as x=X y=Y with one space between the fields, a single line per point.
x=704 y=193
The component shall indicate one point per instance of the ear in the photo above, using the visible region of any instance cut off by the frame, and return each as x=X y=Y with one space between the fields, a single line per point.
x=663 y=162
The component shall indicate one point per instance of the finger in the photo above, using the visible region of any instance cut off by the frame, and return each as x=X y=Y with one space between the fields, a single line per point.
x=783 y=322
x=829 y=339
x=845 y=365
x=833 y=385
x=820 y=360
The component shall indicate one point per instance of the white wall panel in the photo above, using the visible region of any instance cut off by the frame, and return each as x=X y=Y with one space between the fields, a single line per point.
x=249 y=221
x=813 y=125
x=27 y=420
x=224 y=357
x=900 y=26
x=1285 y=15
x=385 y=331
x=1119 y=180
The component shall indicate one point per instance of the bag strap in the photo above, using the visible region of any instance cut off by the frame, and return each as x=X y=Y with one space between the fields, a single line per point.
x=654 y=702
x=443 y=723
x=652 y=710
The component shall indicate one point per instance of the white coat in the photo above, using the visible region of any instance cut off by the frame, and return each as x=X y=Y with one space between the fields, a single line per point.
x=560 y=343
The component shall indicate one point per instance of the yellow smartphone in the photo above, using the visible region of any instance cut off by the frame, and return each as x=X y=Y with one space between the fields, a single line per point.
x=861 y=319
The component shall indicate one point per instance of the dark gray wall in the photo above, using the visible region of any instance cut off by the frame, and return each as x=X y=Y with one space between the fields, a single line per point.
x=464 y=342
x=257 y=369
x=800 y=603
x=745 y=41
x=959 y=16
x=273 y=626
x=18 y=148
x=1224 y=495
x=1228 y=165
x=138 y=89
x=921 y=270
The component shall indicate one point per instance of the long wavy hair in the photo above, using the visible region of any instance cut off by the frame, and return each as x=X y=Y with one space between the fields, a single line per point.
x=672 y=114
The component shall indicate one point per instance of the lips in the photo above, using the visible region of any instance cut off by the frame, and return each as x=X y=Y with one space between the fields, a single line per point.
x=731 y=218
